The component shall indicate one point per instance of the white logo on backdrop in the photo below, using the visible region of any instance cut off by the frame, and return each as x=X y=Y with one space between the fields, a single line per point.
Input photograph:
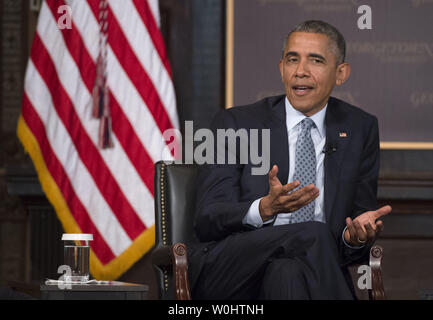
x=420 y=99
x=394 y=52
x=419 y=3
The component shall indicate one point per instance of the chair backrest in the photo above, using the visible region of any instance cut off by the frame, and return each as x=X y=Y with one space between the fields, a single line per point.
x=175 y=194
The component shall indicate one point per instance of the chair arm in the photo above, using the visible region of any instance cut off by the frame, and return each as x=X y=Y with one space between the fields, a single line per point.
x=161 y=256
x=377 y=291
x=180 y=271
x=176 y=256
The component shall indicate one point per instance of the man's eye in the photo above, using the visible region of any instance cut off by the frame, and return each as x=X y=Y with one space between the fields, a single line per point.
x=317 y=61
x=292 y=59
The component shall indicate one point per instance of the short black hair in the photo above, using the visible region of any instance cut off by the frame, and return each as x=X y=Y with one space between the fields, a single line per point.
x=317 y=26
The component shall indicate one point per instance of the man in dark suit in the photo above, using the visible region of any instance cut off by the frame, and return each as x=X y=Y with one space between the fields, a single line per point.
x=292 y=233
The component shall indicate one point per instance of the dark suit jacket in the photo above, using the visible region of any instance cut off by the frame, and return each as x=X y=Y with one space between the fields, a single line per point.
x=225 y=192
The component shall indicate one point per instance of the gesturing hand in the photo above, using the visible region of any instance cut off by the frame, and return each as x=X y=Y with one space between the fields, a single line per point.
x=365 y=229
x=279 y=200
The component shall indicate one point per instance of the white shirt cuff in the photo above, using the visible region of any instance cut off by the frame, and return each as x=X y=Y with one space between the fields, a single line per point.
x=253 y=217
x=349 y=246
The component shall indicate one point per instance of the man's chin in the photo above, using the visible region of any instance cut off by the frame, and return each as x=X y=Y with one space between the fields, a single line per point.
x=305 y=107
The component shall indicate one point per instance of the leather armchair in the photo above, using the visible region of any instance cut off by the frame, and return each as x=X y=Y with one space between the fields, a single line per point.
x=175 y=195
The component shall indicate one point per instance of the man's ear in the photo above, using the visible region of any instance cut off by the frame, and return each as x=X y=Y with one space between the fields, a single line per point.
x=343 y=73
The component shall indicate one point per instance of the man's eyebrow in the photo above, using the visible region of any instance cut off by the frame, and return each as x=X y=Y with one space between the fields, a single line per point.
x=291 y=53
x=311 y=55
x=316 y=55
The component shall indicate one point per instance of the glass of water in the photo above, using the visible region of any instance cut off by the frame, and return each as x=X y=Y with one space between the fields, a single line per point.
x=76 y=256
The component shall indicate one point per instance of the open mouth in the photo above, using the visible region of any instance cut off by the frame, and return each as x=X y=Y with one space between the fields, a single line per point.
x=302 y=90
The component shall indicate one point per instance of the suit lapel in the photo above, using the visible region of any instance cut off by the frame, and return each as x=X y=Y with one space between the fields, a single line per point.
x=336 y=136
x=279 y=139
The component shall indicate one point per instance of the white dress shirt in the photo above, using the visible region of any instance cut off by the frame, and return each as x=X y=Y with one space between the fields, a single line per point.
x=318 y=135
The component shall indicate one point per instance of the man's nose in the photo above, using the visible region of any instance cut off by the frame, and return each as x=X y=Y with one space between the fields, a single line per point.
x=301 y=69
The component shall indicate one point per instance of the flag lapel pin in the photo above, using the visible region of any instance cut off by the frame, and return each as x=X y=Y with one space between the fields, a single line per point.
x=343 y=135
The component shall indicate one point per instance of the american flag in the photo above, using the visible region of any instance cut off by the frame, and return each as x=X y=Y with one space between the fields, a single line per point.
x=107 y=192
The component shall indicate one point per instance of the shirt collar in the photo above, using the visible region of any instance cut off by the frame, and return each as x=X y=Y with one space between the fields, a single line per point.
x=293 y=117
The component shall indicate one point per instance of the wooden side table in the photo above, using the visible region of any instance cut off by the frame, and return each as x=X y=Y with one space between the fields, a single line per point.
x=106 y=290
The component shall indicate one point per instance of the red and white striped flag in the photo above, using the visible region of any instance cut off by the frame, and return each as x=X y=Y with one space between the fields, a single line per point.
x=104 y=191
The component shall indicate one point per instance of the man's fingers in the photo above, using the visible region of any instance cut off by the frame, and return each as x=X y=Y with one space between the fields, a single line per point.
x=273 y=172
x=299 y=198
x=273 y=179
x=379 y=227
x=361 y=234
x=352 y=231
x=290 y=186
x=371 y=234
x=348 y=221
x=300 y=192
x=355 y=231
x=309 y=194
x=382 y=211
